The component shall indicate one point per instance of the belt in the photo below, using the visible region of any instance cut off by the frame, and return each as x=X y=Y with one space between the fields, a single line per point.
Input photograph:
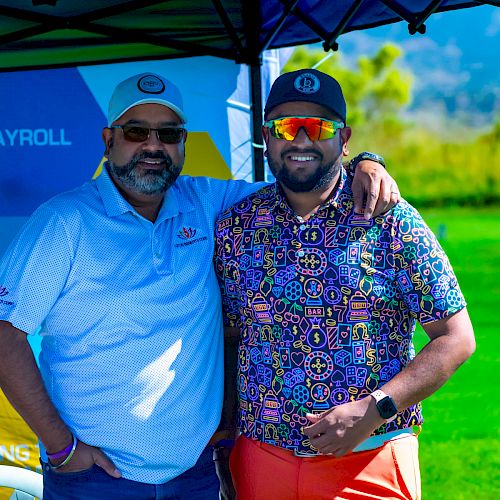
x=372 y=443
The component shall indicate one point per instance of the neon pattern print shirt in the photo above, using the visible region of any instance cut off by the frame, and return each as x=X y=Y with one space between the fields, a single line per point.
x=326 y=307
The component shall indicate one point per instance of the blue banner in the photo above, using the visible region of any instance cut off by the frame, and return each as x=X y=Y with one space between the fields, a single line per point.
x=50 y=138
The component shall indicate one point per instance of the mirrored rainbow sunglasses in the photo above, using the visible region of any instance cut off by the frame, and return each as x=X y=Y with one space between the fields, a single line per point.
x=317 y=129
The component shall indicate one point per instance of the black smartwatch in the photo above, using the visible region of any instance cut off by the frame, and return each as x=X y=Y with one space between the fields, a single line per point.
x=385 y=405
x=365 y=155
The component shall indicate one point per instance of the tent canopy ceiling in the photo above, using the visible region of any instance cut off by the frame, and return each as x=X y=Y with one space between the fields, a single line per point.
x=37 y=34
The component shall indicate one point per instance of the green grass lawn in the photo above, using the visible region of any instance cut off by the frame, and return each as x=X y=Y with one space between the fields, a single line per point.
x=459 y=444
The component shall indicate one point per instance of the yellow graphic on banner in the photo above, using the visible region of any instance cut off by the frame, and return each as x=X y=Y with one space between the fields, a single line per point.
x=18 y=445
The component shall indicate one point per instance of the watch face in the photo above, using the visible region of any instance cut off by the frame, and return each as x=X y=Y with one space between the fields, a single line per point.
x=387 y=408
x=374 y=157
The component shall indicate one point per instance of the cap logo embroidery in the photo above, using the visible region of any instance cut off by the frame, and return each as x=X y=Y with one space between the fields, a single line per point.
x=151 y=84
x=307 y=83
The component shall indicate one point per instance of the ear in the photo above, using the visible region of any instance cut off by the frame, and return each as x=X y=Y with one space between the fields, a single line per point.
x=265 y=134
x=345 y=135
x=107 y=137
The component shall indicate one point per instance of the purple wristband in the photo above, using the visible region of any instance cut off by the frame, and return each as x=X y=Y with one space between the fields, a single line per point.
x=62 y=453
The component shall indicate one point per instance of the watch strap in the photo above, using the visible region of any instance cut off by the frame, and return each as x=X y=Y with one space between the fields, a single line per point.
x=365 y=155
x=379 y=396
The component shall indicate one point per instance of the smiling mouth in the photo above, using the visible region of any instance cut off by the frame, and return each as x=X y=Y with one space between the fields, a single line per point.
x=302 y=158
x=151 y=163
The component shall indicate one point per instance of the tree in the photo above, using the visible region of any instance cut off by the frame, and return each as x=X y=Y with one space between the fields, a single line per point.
x=437 y=162
x=375 y=90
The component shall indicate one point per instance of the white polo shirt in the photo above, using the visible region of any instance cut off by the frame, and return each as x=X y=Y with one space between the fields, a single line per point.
x=132 y=349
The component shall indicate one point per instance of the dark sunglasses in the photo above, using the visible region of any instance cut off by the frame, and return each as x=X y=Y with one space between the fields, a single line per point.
x=317 y=129
x=138 y=133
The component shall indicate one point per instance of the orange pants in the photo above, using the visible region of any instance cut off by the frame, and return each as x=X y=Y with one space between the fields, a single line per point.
x=264 y=472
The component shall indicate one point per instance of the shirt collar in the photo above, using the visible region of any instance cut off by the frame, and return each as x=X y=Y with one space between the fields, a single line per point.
x=115 y=204
x=340 y=200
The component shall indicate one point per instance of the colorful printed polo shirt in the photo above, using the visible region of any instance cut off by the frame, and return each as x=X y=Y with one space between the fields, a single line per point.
x=326 y=307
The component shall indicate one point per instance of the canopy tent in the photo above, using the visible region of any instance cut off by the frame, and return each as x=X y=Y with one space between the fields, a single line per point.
x=52 y=33
x=39 y=34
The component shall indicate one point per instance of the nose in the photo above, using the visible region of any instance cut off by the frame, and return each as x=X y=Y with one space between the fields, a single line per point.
x=302 y=137
x=153 y=141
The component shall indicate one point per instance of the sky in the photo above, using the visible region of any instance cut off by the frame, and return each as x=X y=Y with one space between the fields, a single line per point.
x=456 y=62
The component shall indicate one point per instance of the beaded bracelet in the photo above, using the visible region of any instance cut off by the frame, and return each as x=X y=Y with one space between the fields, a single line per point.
x=71 y=451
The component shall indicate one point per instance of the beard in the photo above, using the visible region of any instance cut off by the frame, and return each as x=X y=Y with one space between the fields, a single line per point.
x=152 y=181
x=317 y=179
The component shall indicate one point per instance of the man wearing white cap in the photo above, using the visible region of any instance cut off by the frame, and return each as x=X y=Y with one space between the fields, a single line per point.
x=118 y=273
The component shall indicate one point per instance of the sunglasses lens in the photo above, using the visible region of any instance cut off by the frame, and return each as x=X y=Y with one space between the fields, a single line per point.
x=171 y=135
x=316 y=128
x=135 y=134
x=285 y=129
x=326 y=130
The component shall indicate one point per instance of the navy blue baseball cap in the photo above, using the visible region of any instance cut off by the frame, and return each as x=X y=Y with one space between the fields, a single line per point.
x=309 y=85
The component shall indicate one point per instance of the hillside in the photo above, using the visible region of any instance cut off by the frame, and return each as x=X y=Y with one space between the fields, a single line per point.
x=455 y=62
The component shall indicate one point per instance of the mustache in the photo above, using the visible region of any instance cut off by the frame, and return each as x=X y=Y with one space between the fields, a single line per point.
x=156 y=155
x=293 y=149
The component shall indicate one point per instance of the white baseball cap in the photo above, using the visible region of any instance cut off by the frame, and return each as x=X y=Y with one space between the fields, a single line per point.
x=146 y=88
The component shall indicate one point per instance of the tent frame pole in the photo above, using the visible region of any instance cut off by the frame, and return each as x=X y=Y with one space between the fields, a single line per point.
x=256 y=120
x=253 y=58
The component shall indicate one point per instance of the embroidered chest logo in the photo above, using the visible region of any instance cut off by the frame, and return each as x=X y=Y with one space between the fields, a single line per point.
x=3 y=293
x=187 y=236
x=186 y=233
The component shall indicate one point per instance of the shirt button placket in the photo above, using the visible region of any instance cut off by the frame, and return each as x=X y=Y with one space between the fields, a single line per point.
x=155 y=247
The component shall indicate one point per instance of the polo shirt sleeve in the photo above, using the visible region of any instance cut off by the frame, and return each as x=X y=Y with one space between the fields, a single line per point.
x=34 y=270
x=225 y=270
x=227 y=193
x=423 y=272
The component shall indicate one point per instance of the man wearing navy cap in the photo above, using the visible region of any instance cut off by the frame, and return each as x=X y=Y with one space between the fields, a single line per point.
x=119 y=275
x=324 y=304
